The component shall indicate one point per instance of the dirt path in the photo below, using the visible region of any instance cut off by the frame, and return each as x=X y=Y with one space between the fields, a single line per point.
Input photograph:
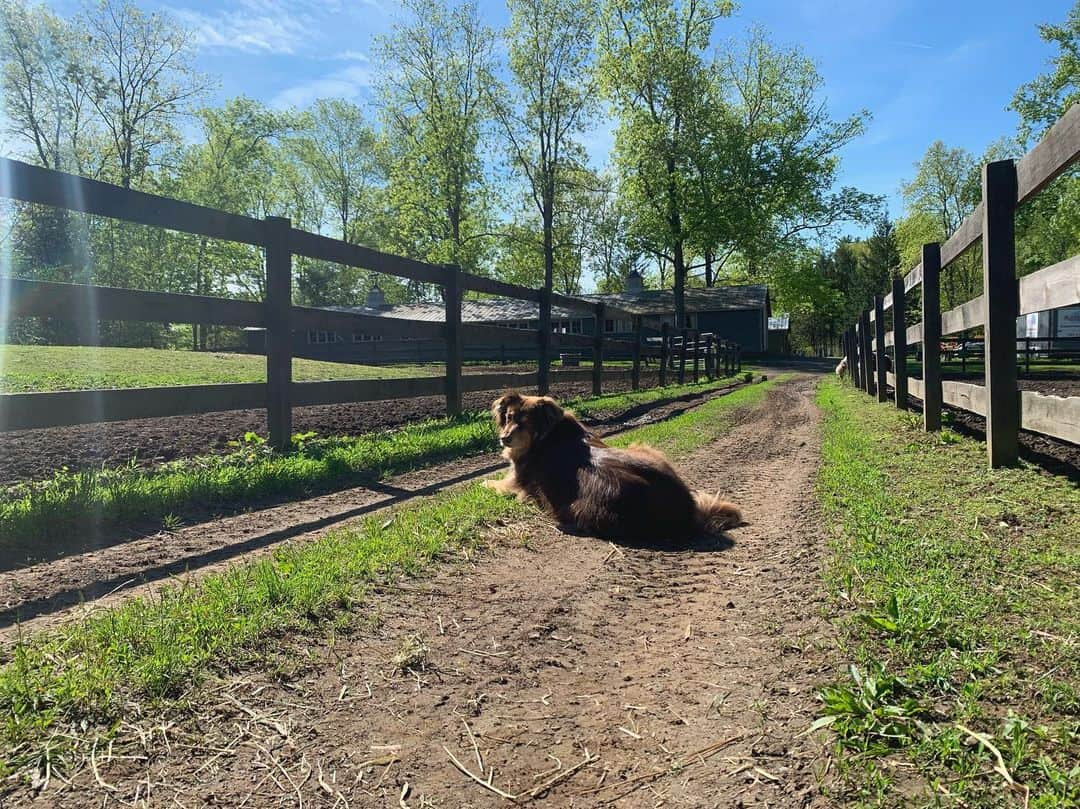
x=577 y=672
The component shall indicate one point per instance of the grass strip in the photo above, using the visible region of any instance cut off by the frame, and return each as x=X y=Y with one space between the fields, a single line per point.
x=56 y=684
x=32 y=369
x=959 y=610
x=75 y=501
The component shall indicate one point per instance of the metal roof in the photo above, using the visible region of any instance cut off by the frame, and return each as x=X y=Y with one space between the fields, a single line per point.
x=698 y=299
x=485 y=310
x=646 y=302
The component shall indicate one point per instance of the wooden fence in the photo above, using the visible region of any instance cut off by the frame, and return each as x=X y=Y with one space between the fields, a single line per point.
x=1006 y=185
x=280 y=318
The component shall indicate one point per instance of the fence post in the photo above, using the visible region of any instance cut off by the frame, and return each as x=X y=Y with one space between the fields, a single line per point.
x=682 y=357
x=868 y=368
x=710 y=359
x=899 y=319
x=879 y=355
x=931 y=336
x=697 y=353
x=856 y=372
x=737 y=348
x=664 y=336
x=544 y=342
x=1001 y=305
x=278 y=331
x=452 y=301
x=598 y=350
x=635 y=373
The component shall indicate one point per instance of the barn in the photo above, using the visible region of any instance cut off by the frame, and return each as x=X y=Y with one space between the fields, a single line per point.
x=737 y=313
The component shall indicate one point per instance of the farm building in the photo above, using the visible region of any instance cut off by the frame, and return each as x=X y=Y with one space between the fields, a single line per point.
x=738 y=313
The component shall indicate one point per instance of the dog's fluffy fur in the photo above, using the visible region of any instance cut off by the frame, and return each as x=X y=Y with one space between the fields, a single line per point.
x=633 y=494
x=841 y=369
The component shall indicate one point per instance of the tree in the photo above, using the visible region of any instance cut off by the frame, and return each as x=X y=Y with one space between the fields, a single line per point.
x=1047 y=226
x=945 y=191
x=338 y=147
x=44 y=64
x=653 y=72
x=550 y=55
x=768 y=182
x=434 y=93
x=140 y=83
x=615 y=252
x=1044 y=99
x=227 y=171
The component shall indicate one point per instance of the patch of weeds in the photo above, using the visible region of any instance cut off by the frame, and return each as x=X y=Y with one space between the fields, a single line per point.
x=412 y=655
x=874 y=713
x=956 y=601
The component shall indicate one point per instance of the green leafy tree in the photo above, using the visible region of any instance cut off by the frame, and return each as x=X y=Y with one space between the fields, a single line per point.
x=434 y=94
x=653 y=71
x=945 y=191
x=766 y=181
x=1048 y=226
x=550 y=47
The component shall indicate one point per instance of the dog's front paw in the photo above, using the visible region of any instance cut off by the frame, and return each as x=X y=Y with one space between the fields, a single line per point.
x=500 y=485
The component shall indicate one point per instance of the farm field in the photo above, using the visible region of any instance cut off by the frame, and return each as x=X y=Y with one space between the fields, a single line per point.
x=31 y=368
x=26 y=369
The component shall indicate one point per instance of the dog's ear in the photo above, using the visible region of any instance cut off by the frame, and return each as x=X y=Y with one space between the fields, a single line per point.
x=546 y=415
x=498 y=407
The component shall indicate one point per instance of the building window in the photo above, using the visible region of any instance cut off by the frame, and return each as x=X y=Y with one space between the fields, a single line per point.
x=360 y=337
x=320 y=337
x=609 y=325
x=575 y=326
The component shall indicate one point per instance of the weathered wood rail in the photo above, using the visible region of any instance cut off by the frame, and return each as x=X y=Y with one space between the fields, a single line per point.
x=280 y=242
x=1006 y=185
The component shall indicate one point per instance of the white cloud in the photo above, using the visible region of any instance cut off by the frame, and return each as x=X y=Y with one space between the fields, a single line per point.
x=347 y=83
x=350 y=56
x=252 y=27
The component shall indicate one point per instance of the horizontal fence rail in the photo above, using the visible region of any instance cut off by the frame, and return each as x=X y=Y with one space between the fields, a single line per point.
x=1006 y=186
x=681 y=354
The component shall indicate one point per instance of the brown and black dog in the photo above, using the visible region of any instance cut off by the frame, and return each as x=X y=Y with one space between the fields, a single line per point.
x=633 y=495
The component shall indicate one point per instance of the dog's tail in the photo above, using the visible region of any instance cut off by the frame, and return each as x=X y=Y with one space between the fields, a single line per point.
x=714 y=514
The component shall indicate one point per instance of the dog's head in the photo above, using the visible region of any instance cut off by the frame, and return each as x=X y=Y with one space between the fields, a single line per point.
x=522 y=421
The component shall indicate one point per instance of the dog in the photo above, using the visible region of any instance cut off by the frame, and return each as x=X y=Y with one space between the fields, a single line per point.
x=841 y=369
x=632 y=495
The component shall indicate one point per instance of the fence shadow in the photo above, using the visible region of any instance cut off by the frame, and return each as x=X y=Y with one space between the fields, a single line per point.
x=64 y=599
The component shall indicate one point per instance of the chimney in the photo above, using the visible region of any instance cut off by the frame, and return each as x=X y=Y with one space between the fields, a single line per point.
x=633 y=283
x=376 y=299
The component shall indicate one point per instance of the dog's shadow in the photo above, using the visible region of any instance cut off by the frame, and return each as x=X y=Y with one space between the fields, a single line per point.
x=706 y=542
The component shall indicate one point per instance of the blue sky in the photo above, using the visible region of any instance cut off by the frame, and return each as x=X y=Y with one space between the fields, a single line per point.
x=926 y=70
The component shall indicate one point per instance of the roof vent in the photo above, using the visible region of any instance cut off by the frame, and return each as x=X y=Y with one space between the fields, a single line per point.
x=634 y=285
x=376 y=299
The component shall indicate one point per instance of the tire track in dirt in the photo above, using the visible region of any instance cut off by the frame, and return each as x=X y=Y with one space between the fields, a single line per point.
x=576 y=671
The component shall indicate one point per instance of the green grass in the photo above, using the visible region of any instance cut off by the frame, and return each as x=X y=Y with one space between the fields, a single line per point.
x=61 y=688
x=976 y=366
x=959 y=611
x=47 y=368
x=72 y=502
